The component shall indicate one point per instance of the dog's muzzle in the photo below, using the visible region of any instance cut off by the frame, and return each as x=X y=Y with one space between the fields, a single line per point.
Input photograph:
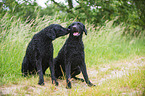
x=76 y=32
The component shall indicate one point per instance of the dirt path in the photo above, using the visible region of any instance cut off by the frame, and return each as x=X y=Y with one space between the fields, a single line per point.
x=103 y=73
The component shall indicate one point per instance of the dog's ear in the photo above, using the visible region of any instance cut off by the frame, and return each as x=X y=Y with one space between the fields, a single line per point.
x=69 y=27
x=51 y=34
x=85 y=30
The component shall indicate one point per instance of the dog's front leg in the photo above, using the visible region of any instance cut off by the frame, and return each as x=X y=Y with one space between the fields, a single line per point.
x=39 y=70
x=84 y=72
x=68 y=75
x=52 y=71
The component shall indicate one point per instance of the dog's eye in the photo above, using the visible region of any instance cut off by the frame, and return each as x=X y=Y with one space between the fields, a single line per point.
x=73 y=24
x=79 y=25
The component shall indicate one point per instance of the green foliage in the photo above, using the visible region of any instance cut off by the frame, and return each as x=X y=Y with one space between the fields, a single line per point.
x=98 y=11
x=103 y=46
x=110 y=45
x=95 y=12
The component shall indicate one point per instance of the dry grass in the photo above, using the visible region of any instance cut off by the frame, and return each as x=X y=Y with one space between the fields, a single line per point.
x=111 y=79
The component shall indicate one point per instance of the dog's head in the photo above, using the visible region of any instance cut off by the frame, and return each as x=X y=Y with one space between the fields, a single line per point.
x=77 y=28
x=55 y=31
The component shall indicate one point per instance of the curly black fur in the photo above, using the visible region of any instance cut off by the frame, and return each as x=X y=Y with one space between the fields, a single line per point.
x=39 y=53
x=71 y=57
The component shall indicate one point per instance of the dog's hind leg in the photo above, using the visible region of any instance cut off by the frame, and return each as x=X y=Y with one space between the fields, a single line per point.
x=75 y=72
x=80 y=79
x=25 y=69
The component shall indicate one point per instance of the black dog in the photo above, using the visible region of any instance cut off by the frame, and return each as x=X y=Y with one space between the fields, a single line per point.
x=39 y=53
x=71 y=57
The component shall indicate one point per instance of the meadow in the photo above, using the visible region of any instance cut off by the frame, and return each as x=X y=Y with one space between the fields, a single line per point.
x=115 y=62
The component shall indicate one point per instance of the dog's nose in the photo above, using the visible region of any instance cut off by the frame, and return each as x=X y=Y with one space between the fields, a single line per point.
x=74 y=27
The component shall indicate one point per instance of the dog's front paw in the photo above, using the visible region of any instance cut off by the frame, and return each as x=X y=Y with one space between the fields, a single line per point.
x=41 y=83
x=56 y=83
x=91 y=85
x=68 y=86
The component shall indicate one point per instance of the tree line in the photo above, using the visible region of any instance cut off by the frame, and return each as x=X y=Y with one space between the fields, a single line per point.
x=130 y=12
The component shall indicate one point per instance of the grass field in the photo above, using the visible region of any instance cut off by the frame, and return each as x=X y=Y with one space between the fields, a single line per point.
x=115 y=63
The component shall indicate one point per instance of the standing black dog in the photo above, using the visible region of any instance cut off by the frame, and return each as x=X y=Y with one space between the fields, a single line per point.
x=71 y=57
x=39 y=53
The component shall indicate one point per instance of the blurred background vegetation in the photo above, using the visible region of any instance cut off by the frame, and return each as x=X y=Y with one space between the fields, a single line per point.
x=115 y=44
x=129 y=12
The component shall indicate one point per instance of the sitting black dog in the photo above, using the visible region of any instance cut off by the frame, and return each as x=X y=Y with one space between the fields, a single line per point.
x=39 y=53
x=71 y=57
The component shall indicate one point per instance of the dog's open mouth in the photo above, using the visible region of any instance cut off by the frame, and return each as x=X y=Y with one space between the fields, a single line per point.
x=76 y=33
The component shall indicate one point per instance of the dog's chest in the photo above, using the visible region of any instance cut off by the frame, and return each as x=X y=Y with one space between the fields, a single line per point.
x=75 y=50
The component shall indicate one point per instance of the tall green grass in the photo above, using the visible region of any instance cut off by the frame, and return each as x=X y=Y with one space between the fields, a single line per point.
x=102 y=44
x=107 y=44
